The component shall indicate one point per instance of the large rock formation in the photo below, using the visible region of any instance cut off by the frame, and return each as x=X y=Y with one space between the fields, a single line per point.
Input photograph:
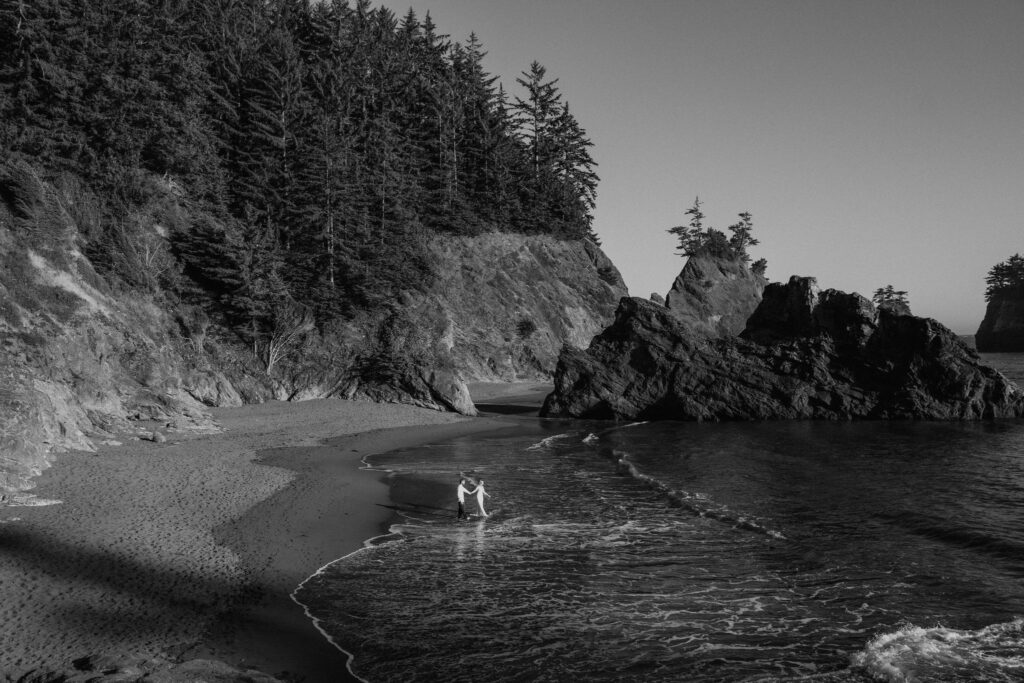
x=1003 y=326
x=714 y=295
x=803 y=354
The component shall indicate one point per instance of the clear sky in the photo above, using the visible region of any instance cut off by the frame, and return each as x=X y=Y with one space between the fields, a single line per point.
x=875 y=141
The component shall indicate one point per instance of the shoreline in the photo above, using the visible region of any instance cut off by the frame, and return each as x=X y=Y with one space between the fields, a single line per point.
x=274 y=633
x=163 y=554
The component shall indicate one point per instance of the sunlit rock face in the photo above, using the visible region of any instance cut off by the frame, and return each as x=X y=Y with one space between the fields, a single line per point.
x=512 y=301
x=714 y=295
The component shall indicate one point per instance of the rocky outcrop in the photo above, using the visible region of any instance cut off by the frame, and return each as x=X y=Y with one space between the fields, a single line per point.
x=803 y=354
x=714 y=296
x=1002 y=330
x=799 y=309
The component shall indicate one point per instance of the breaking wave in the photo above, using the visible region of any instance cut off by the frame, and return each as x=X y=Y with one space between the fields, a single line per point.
x=697 y=503
x=993 y=654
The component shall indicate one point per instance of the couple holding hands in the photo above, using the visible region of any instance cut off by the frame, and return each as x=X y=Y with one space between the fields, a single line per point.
x=462 y=491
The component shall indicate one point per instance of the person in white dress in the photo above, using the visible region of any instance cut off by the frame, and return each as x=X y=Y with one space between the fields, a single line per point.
x=480 y=493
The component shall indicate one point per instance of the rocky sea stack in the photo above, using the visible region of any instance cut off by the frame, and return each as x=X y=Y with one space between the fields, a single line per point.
x=1002 y=330
x=803 y=354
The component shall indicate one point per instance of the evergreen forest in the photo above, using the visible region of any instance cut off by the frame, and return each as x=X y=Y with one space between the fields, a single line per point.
x=294 y=156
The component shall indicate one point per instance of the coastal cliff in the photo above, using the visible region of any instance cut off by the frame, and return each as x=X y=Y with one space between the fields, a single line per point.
x=512 y=301
x=804 y=354
x=81 y=363
x=86 y=361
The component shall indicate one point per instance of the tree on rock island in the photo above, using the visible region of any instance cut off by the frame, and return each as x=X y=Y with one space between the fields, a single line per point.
x=892 y=300
x=1005 y=278
x=695 y=237
x=1002 y=329
x=890 y=295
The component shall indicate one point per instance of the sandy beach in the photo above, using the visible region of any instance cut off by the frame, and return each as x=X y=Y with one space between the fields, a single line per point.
x=188 y=550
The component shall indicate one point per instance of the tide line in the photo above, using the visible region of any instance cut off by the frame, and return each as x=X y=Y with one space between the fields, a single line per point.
x=375 y=541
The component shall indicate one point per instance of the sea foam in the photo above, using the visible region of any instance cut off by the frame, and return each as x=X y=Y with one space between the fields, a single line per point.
x=697 y=503
x=547 y=442
x=993 y=654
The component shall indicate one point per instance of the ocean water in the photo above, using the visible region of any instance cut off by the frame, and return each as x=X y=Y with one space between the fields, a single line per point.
x=696 y=552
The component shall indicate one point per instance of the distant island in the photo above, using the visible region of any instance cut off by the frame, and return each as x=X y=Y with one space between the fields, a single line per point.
x=1003 y=326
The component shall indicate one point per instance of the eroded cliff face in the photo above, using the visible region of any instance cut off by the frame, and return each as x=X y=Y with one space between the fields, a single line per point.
x=804 y=354
x=80 y=367
x=1002 y=330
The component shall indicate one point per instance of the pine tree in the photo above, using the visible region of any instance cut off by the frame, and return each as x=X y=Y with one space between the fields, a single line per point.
x=692 y=235
x=537 y=116
x=574 y=168
x=497 y=162
x=889 y=295
x=742 y=236
x=482 y=125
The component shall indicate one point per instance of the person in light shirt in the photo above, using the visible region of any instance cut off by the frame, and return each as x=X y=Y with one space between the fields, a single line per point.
x=461 y=492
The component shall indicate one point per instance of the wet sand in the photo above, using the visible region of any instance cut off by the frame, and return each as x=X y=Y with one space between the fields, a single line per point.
x=190 y=548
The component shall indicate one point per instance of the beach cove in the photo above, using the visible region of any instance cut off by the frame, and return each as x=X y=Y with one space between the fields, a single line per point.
x=159 y=554
x=730 y=551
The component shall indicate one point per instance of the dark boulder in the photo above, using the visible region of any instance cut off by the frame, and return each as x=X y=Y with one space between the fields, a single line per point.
x=799 y=309
x=804 y=354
